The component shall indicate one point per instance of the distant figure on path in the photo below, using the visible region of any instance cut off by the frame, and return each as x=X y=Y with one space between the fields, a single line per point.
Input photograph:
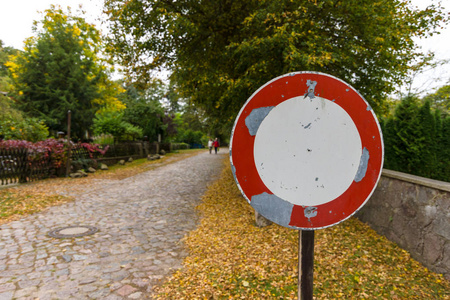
x=210 y=145
x=216 y=145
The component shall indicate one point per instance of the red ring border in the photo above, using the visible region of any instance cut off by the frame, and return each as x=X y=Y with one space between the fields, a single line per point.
x=333 y=89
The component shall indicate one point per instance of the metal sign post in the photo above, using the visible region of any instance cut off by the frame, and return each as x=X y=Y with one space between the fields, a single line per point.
x=306 y=152
x=305 y=264
x=69 y=121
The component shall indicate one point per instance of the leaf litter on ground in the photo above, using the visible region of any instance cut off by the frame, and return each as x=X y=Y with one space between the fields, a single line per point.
x=231 y=258
x=23 y=199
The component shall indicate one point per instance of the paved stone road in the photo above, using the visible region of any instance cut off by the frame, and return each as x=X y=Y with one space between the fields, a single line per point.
x=141 y=221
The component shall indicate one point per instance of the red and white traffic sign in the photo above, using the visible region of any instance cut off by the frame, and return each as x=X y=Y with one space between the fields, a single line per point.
x=306 y=150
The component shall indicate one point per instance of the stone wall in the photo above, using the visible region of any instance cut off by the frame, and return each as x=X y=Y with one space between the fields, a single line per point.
x=413 y=212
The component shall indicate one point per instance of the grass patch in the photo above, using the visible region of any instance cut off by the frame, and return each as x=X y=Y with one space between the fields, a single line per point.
x=230 y=258
x=142 y=165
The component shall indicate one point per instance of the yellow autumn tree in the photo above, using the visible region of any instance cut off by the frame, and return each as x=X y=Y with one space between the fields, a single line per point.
x=61 y=69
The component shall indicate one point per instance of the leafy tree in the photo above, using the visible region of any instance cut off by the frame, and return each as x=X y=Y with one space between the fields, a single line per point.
x=5 y=80
x=144 y=110
x=112 y=122
x=172 y=100
x=192 y=125
x=169 y=128
x=440 y=99
x=191 y=137
x=417 y=140
x=221 y=51
x=428 y=157
x=403 y=138
x=6 y=111
x=19 y=128
x=444 y=150
x=13 y=123
x=109 y=92
x=60 y=69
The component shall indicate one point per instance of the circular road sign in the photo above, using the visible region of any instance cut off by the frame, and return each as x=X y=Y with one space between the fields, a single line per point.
x=306 y=150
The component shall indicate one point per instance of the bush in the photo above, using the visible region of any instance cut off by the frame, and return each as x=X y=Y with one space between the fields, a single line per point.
x=179 y=146
x=189 y=136
x=104 y=139
x=23 y=129
x=112 y=123
x=50 y=149
x=417 y=140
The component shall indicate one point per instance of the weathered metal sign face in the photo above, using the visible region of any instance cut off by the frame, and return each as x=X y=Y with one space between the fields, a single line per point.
x=306 y=150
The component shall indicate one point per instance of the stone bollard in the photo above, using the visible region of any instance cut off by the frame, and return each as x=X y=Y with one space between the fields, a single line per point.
x=78 y=174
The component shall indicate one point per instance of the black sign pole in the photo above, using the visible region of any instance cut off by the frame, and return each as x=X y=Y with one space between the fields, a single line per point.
x=305 y=264
x=69 y=121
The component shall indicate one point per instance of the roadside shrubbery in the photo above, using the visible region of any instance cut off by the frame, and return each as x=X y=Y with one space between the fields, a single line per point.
x=50 y=149
x=15 y=125
x=113 y=123
x=31 y=129
x=417 y=140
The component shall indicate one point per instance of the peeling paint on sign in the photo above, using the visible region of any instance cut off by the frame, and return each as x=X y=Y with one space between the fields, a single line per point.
x=273 y=208
x=362 y=165
x=233 y=169
x=311 y=87
x=310 y=212
x=255 y=118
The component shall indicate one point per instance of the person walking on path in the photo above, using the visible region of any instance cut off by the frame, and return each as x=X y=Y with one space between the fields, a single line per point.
x=216 y=145
x=210 y=145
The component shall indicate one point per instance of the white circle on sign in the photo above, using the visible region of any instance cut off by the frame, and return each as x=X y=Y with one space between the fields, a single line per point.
x=307 y=151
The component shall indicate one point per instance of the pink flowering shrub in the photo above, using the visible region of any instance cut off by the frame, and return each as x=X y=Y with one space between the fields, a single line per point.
x=50 y=149
x=94 y=148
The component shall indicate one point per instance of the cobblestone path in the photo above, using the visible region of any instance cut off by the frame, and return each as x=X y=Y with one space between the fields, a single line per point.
x=141 y=221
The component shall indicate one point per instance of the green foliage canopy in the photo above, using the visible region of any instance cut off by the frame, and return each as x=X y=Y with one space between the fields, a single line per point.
x=440 y=99
x=221 y=51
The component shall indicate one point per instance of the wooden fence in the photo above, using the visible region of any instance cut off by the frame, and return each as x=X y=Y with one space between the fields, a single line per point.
x=22 y=165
